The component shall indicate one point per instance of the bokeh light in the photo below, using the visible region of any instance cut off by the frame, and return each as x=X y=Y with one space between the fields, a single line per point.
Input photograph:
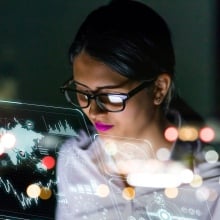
x=163 y=154
x=48 y=162
x=213 y=195
x=202 y=193
x=186 y=176
x=161 y=179
x=33 y=191
x=110 y=147
x=207 y=134
x=188 y=133
x=8 y=140
x=102 y=190
x=171 y=134
x=197 y=181
x=45 y=193
x=128 y=193
x=211 y=156
x=171 y=192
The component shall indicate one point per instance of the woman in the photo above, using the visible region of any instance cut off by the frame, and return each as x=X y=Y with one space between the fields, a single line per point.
x=123 y=80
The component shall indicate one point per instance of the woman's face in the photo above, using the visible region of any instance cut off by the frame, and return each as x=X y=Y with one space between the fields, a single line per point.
x=139 y=114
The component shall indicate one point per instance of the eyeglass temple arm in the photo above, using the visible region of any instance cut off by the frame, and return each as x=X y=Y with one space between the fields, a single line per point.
x=139 y=88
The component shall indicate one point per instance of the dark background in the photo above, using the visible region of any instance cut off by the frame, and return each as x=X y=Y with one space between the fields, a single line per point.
x=35 y=36
x=217 y=73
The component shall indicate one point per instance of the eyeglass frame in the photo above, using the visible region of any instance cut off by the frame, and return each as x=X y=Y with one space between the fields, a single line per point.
x=64 y=89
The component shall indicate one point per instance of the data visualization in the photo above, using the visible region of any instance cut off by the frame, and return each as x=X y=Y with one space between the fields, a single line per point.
x=30 y=139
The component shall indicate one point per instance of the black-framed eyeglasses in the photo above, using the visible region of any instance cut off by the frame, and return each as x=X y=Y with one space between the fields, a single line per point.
x=111 y=102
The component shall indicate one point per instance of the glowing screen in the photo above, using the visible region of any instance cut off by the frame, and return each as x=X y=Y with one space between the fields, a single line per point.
x=30 y=138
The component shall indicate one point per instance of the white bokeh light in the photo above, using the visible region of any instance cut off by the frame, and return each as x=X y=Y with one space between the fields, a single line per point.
x=163 y=154
x=186 y=176
x=8 y=141
x=211 y=156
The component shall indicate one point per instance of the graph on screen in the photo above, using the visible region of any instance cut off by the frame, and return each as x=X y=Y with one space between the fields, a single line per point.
x=30 y=139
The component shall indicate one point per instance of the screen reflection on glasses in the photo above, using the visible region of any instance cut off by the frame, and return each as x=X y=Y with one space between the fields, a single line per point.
x=111 y=102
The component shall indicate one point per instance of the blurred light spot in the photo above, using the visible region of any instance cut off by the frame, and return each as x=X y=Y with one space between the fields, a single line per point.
x=197 y=181
x=214 y=123
x=48 y=162
x=171 y=134
x=207 y=134
x=45 y=193
x=187 y=133
x=213 y=195
x=123 y=167
x=154 y=180
x=186 y=176
x=171 y=192
x=8 y=140
x=102 y=190
x=33 y=191
x=110 y=147
x=163 y=154
x=211 y=156
x=202 y=194
x=128 y=193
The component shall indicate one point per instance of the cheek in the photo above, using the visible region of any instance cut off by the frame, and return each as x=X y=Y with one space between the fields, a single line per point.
x=138 y=112
x=142 y=103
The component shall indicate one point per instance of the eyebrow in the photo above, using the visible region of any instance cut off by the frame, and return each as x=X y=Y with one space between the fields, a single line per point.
x=103 y=87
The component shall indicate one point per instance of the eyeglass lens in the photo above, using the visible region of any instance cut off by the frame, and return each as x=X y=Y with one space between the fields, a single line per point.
x=110 y=102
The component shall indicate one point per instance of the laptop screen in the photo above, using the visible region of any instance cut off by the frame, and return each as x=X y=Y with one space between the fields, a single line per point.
x=30 y=138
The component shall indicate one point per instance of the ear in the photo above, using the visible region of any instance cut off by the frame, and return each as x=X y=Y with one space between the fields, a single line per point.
x=161 y=87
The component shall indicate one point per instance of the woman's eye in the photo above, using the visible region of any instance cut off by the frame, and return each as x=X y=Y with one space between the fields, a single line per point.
x=82 y=96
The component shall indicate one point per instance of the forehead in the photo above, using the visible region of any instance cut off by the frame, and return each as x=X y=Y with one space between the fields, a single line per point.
x=89 y=71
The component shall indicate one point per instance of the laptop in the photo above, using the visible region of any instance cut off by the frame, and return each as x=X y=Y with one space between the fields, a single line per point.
x=30 y=138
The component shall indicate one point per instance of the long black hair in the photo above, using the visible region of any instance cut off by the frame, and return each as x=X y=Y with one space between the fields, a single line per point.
x=135 y=41
x=129 y=37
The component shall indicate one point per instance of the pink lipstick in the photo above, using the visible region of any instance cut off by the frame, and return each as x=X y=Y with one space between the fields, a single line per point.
x=102 y=127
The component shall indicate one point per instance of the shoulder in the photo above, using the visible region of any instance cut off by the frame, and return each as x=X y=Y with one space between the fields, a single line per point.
x=75 y=154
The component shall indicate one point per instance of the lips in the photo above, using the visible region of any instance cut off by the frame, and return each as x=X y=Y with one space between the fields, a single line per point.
x=102 y=127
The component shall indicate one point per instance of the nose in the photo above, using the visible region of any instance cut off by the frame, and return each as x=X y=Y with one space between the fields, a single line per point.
x=94 y=109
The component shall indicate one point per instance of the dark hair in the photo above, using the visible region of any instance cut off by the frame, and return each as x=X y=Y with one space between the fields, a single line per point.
x=129 y=37
x=133 y=40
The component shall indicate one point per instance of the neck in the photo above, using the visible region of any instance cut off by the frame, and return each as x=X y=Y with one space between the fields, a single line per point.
x=155 y=134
